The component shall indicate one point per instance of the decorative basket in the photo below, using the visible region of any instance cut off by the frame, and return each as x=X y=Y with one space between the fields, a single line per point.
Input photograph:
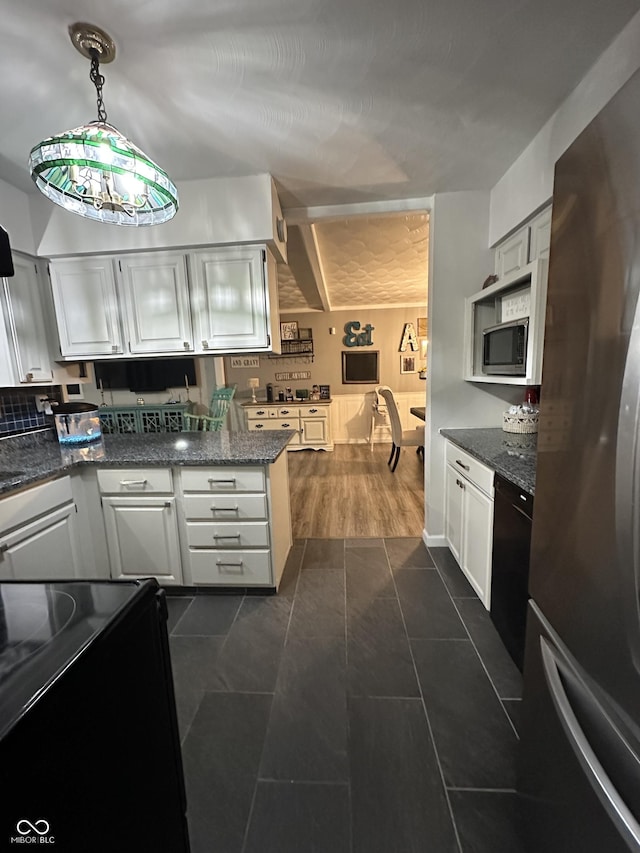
x=522 y=422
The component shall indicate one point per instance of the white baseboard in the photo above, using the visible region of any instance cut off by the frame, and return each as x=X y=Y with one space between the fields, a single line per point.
x=434 y=541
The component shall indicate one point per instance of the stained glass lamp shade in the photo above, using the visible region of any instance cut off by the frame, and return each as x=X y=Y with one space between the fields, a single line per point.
x=97 y=172
x=94 y=170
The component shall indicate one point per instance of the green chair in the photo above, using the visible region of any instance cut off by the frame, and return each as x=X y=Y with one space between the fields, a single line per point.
x=215 y=419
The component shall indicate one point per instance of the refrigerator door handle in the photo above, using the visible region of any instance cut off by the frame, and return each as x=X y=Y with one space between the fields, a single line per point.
x=616 y=808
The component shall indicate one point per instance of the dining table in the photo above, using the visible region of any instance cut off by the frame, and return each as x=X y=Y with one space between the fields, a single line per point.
x=418 y=412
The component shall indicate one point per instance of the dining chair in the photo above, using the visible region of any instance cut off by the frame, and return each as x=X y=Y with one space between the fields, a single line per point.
x=400 y=437
x=215 y=419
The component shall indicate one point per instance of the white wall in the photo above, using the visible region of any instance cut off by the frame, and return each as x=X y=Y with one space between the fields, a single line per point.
x=459 y=263
x=528 y=183
x=15 y=219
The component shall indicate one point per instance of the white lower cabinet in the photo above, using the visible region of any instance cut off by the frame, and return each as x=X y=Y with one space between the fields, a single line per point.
x=469 y=518
x=140 y=518
x=142 y=537
x=192 y=526
x=38 y=537
x=227 y=528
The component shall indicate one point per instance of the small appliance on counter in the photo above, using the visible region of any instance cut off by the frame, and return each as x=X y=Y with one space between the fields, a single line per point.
x=77 y=424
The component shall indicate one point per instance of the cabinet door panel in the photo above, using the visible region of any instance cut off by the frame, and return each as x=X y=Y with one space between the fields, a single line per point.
x=42 y=550
x=26 y=320
x=477 y=541
x=230 y=301
x=142 y=538
x=453 y=511
x=156 y=300
x=313 y=430
x=86 y=305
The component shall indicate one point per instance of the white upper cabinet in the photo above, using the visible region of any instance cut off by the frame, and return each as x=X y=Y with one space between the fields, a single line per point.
x=86 y=306
x=156 y=302
x=230 y=299
x=146 y=303
x=29 y=359
x=513 y=253
x=486 y=309
x=540 y=241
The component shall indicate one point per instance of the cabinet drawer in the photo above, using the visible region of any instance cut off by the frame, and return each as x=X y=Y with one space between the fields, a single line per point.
x=131 y=480
x=248 y=534
x=23 y=507
x=224 y=507
x=313 y=411
x=230 y=568
x=262 y=412
x=223 y=479
x=288 y=423
x=470 y=468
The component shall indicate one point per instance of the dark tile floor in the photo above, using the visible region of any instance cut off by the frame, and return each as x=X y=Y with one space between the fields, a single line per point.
x=370 y=707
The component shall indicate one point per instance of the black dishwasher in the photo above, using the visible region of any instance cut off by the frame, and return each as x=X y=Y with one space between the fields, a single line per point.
x=512 y=513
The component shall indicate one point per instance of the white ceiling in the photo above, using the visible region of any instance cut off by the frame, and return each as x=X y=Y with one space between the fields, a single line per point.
x=342 y=101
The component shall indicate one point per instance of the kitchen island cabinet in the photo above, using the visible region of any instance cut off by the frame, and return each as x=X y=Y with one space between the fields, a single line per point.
x=194 y=509
x=141 y=524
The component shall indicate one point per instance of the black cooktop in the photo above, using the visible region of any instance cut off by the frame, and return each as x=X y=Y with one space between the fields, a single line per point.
x=44 y=627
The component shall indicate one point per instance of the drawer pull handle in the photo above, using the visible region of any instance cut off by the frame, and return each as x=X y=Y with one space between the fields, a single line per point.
x=462 y=465
x=285 y=425
x=259 y=426
x=226 y=536
x=224 y=509
x=284 y=411
x=312 y=411
x=213 y=480
x=4 y=547
x=261 y=412
x=221 y=563
x=133 y=482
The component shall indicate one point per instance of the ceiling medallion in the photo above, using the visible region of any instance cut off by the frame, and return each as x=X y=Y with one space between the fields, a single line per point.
x=94 y=170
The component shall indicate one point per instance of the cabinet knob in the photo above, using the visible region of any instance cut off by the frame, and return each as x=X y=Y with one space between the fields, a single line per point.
x=187 y=345
x=205 y=344
x=114 y=348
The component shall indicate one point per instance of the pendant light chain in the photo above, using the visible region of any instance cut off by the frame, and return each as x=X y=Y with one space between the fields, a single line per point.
x=98 y=81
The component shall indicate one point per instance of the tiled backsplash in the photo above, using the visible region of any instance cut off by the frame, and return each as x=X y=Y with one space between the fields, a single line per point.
x=18 y=411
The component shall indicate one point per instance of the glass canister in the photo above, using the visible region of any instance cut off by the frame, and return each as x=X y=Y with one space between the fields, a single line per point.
x=77 y=424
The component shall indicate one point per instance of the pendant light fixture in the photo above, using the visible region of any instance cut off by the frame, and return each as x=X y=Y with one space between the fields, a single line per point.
x=94 y=170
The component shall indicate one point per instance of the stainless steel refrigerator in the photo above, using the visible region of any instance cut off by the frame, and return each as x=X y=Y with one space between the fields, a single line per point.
x=579 y=771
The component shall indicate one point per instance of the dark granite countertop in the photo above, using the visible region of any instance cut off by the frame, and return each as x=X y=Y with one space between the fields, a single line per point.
x=30 y=458
x=511 y=455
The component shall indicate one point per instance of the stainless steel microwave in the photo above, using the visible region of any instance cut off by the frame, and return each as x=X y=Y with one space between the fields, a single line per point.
x=504 y=348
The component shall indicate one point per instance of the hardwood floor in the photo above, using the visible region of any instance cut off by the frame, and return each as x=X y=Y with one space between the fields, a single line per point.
x=351 y=493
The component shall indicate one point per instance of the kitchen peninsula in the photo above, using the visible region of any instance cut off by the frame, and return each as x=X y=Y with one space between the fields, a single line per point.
x=192 y=509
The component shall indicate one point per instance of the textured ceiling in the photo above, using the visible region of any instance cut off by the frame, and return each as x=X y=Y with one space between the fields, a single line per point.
x=340 y=101
x=364 y=261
